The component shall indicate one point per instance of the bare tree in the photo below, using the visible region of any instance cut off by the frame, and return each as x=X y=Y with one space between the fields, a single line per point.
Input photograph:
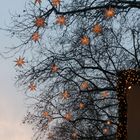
x=76 y=50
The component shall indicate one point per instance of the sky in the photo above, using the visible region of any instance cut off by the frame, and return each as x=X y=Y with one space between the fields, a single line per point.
x=12 y=101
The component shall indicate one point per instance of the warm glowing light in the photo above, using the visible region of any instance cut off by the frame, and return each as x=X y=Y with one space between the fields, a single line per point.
x=126 y=79
x=84 y=85
x=109 y=12
x=54 y=68
x=81 y=105
x=129 y=87
x=104 y=94
x=108 y=122
x=45 y=114
x=97 y=29
x=39 y=22
x=32 y=87
x=106 y=131
x=61 y=20
x=85 y=40
x=68 y=116
x=66 y=95
x=56 y=2
x=35 y=36
x=20 y=61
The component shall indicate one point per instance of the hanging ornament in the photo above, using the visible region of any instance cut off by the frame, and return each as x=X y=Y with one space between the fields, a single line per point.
x=56 y=2
x=45 y=114
x=54 y=68
x=97 y=28
x=104 y=94
x=108 y=122
x=84 y=85
x=32 y=87
x=66 y=95
x=106 y=131
x=35 y=36
x=85 y=40
x=81 y=105
x=129 y=87
x=68 y=116
x=109 y=13
x=61 y=20
x=40 y=22
x=38 y=1
x=20 y=62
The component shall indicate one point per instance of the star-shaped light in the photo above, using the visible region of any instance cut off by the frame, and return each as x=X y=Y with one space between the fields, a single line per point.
x=97 y=28
x=56 y=2
x=68 y=116
x=85 y=40
x=38 y=1
x=45 y=114
x=35 y=36
x=84 y=85
x=105 y=94
x=129 y=87
x=108 y=122
x=32 y=87
x=109 y=12
x=61 y=20
x=20 y=61
x=54 y=68
x=105 y=131
x=66 y=94
x=39 y=22
x=81 y=105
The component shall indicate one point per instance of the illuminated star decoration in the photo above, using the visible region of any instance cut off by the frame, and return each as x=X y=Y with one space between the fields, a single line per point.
x=61 y=20
x=109 y=13
x=35 y=36
x=56 y=2
x=108 y=122
x=39 y=22
x=32 y=87
x=66 y=95
x=20 y=62
x=38 y=1
x=104 y=94
x=68 y=116
x=81 y=105
x=97 y=28
x=85 y=40
x=105 y=131
x=45 y=114
x=84 y=85
x=54 y=68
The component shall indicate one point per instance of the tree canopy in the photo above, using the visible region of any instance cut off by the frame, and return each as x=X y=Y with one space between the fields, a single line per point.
x=70 y=56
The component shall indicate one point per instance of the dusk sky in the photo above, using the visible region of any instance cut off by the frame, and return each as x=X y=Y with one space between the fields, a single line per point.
x=12 y=101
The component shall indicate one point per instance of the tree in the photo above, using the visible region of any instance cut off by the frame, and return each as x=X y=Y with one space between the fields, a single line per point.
x=76 y=50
